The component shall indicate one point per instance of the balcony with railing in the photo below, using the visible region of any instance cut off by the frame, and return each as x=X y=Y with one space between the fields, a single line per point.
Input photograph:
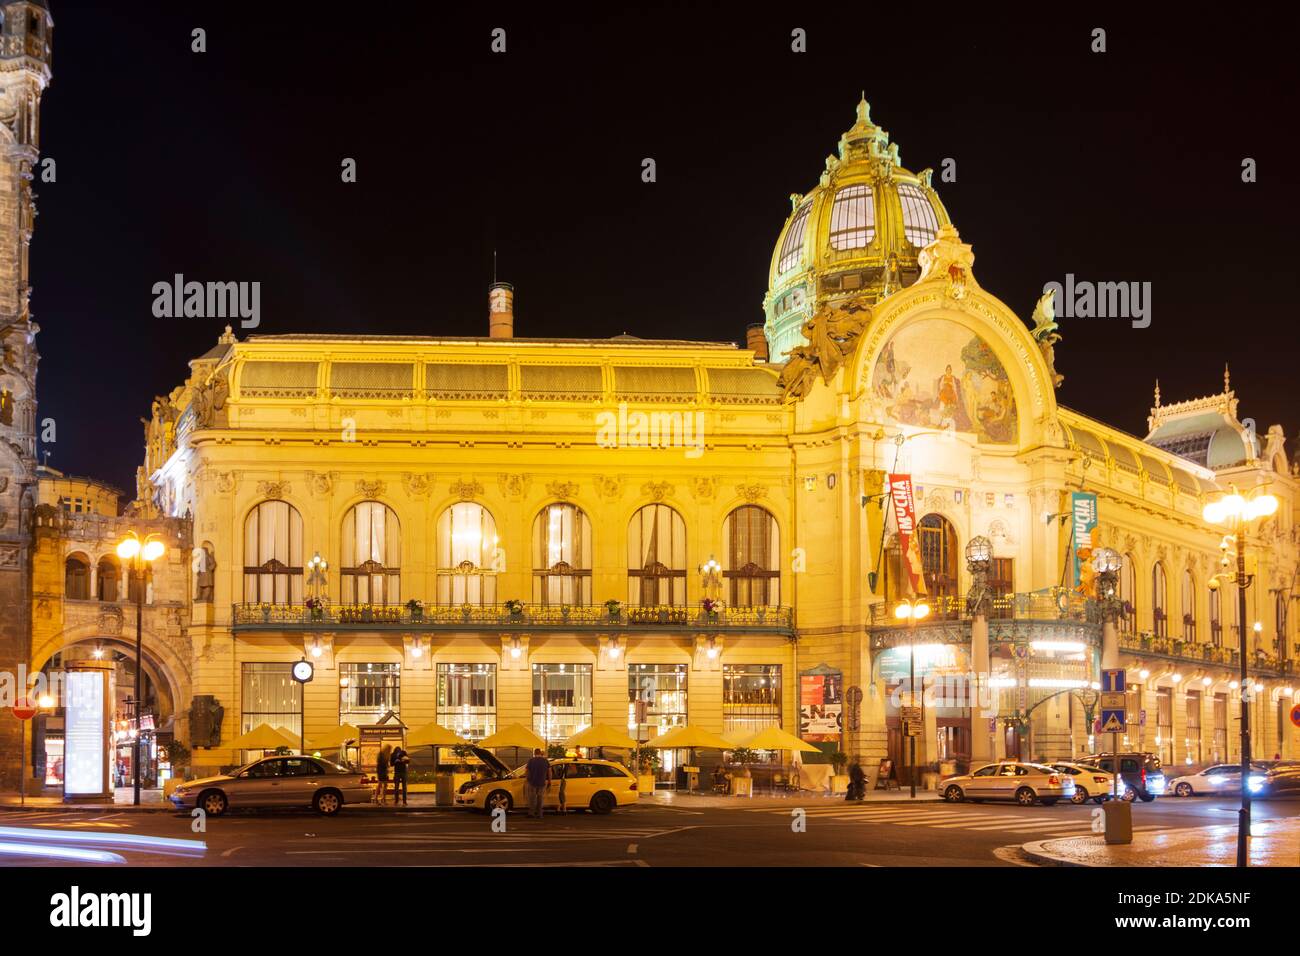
x=515 y=616
x=1147 y=644
x=1051 y=614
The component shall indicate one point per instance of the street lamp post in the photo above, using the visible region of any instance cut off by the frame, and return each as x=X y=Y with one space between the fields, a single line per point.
x=1235 y=513
x=911 y=611
x=141 y=556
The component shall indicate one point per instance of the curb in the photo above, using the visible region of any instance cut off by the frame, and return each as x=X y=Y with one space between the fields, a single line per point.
x=1037 y=853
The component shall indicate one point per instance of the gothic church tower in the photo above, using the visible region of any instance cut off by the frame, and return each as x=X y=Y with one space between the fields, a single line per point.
x=24 y=74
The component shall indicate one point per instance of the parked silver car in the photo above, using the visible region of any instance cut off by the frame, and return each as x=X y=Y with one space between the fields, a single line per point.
x=276 y=782
x=1025 y=783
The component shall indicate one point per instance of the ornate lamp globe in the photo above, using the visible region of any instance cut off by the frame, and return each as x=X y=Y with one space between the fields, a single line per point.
x=979 y=550
x=1106 y=560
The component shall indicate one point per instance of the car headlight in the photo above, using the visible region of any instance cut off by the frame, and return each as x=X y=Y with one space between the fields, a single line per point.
x=1256 y=782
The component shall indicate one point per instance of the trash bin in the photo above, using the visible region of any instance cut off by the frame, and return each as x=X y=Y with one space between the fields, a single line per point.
x=1119 y=821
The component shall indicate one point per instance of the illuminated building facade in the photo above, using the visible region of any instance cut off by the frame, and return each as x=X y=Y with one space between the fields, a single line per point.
x=488 y=530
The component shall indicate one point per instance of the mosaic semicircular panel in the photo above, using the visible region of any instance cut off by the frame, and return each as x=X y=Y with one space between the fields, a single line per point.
x=938 y=374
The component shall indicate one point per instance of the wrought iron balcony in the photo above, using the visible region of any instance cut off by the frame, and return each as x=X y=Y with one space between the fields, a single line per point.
x=1051 y=614
x=514 y=616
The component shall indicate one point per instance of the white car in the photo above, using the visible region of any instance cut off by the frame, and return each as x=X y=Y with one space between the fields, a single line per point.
x=1090 y=783
x=1220 y=778
x=1025 y=783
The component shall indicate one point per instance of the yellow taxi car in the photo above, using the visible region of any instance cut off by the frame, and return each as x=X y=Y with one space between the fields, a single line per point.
x=595 y=785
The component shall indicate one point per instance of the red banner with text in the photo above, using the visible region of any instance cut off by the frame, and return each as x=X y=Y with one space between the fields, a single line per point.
x=900 y=490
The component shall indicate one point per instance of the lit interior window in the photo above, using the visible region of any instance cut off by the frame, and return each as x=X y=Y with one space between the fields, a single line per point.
x=919 y=222
x=792 y=248
x=853 y=217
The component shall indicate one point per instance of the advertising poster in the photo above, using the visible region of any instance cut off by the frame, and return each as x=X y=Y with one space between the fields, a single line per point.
x=900 y=490
x=83 y=738
x=821 y=707
x=1083 y=513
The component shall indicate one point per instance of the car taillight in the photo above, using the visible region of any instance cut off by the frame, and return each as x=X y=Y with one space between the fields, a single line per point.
x=633 y=787
x=1054 y=780
x=1144 y=777
x=1100 y=780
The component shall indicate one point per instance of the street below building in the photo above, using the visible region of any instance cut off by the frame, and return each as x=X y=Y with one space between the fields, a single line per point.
x=684 y=832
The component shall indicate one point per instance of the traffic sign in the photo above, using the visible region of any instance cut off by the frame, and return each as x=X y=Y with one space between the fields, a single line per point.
x=911 y=713
x=1112 y=722
x=1112 y=681
x=1295 y=715
x=1111 y=701
x=911 y=728
x=25 y=709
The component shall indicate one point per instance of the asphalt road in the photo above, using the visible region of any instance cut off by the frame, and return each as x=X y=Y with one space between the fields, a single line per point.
x=762 y=832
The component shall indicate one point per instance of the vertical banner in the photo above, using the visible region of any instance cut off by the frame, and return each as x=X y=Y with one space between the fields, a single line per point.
x=821 y=705
x=900 y=490
x=1083 y=514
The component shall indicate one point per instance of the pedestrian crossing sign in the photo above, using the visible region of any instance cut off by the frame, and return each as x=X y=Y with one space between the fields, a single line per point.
x=1112 y=722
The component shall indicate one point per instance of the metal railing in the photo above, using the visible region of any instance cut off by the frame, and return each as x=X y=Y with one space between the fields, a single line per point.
x=1049 y=604
x=512 y=615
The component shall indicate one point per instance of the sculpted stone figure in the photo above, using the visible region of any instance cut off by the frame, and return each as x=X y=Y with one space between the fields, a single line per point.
x=831 y=334
x=1045 y=334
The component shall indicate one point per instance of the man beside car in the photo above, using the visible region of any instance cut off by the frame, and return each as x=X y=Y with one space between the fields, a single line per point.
x=537 y=773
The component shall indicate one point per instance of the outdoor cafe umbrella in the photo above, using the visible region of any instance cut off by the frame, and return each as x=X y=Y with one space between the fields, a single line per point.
x=335 y=738
x=774 y=738
x=601 y=736
x=434 y=735
x=515 y=735
x=263 y=737
x=690 y=738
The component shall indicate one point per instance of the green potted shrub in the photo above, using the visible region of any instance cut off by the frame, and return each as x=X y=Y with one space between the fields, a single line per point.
x=416 y=609
x=515 y=609
x=556 y=751
x=839 y=762
x=647 y=762
x=612 y=610
x=742 y=782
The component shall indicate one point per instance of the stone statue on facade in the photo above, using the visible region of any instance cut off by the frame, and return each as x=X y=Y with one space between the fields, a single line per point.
x=832 y=333
x=1045 y=333
x=204 y=566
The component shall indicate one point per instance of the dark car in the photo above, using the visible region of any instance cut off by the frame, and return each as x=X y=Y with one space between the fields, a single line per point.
x=1141 y=773
x=1280 y=780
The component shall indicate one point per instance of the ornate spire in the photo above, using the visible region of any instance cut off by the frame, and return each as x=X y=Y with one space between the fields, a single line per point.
x=865 y=140
x=1227 y=387
x=1157 y=393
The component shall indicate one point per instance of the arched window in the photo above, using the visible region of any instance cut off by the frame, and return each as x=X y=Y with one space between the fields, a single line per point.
x=107 y=580
x=920 y=224
x=1189 y=606
x=1159 y=601
x=372 y=555
x=656 y=557
x=752 y=563
x=561 y=556
x=792 y=248
x=76 y=578
x=1128 y=594
x=939 y=551
x=467 y=549
x=273 y=554
x=853 y=217
x=1216 y=618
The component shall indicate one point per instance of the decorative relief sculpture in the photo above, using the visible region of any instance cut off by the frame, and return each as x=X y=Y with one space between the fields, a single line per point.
x=371 y=490
x=751 y=493
x=656 y=490
x=564 y=490
x=1045 y=334
x=273 y=489
x=467 y=490
x=417 y=486
x=832 y=333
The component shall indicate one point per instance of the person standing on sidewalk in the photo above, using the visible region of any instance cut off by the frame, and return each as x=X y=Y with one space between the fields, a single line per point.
x=401 y=762
x=562 y=771
x=537 y=780
x=381 y=771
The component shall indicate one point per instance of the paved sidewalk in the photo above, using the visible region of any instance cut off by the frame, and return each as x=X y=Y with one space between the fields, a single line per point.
x=1272 y=843
x=151 y=801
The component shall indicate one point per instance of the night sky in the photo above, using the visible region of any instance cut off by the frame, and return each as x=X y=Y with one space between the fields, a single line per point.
x=225 y=166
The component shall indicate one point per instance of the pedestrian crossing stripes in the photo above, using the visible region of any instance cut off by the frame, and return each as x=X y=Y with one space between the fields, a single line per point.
x=948 y=817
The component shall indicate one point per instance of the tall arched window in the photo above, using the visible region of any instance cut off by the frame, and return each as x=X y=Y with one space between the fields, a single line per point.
x=939 y=551
x=107 y=580
x=76 y=578
x=1128 y=594
x=467 y=548
x=1216 y=618
x=273 y=554
x=1189 y=606
x=1159 y=601
x=372 y=555
x=561 y=556
x=752 y=563
x=656 y=556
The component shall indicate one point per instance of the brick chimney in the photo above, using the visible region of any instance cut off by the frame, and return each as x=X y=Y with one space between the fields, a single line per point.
x=501 y=310
x=756 y=341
